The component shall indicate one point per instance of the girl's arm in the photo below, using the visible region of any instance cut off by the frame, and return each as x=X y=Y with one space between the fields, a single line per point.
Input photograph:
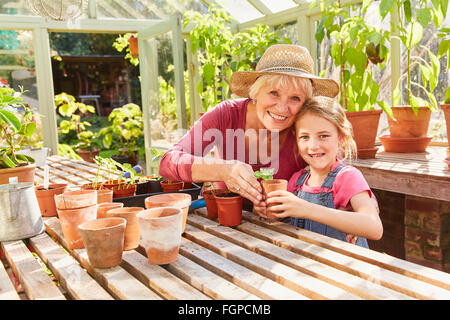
x=363 y=221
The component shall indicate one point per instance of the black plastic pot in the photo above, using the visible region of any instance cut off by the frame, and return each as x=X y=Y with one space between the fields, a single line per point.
x=139 y=200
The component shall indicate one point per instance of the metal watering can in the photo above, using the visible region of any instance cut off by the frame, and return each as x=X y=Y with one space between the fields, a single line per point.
x=20 y=216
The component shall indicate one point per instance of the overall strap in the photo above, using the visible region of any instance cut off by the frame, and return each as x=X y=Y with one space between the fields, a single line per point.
x=328 y=183
x=301 y=180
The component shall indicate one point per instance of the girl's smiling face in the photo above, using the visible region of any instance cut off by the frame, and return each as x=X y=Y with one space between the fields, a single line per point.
x=318 y=141
x=276 y=108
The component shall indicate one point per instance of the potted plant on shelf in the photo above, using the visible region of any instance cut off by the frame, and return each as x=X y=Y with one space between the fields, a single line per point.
x=125 y=129
x=126 y=186
x=355 y=47
x=68 y=107
x=166 y=185
x=409 y=125
x=16 y=123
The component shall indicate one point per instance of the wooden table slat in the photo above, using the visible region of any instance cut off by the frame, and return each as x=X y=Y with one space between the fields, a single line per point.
x=33 y=278
x=286 y=276
x=7 y=290
x=403 y=267
x=406 y=285
x=356 y=285
x=118 y=282
x=78 y=283
x=207 y=281
x=159 y=279
x=241 y=276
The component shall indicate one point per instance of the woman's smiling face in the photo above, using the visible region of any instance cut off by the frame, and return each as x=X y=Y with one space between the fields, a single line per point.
x=276 y=107
x=318 y=141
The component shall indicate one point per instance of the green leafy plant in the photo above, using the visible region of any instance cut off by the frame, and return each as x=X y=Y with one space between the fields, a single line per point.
x=126 y=127
x=132 y=174
x=355 y=47
x=68 y=107
x=121 y=43
x=221 y=52
x=444 y=50
x=15 y=125
x=156 y=157
x=409 y=29
x=264 y=173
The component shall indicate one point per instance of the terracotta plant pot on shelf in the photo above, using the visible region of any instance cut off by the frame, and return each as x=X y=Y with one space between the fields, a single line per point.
x=161 y=233
x=23 y=174
x=104 y=240
x=88 y=155
x=229 y=209
x=446 y=109
x=365 y=128
x=179 y=200
x=408 y=132
x=132 y=232
x=46 y=198
x=169 y=186
x=273 y=185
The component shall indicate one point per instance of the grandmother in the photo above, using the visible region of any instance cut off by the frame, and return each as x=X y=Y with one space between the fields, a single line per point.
x=254 y=132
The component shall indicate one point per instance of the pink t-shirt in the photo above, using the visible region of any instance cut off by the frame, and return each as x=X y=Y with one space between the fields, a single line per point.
x=348 y=183
x=211 y=130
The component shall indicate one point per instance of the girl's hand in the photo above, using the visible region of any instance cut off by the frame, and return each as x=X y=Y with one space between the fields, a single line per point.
x=261 y=209
x=286 y=204
x=239 y=178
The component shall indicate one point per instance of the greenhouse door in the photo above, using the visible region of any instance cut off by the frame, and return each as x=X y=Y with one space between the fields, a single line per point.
x=162 y=86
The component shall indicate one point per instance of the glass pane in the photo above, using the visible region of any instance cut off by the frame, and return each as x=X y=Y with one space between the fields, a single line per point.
x=17 y=69
x=14 y=7
x=241 y=10
x=279 y=5
x=164 y=121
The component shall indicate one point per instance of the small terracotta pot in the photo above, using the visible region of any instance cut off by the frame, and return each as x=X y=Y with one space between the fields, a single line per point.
x=105 y=206
x=161 y=233
x=46 y=198
x=70 y=219
x=365 y=128
x=104 y=195
x=210 y=202
x=173 y=186
x=134 y=47
x=121 y=191
x=132 y=233
x=103 y=240
x=88 y=155
x=273 y=185
x=229 y=209
x=179 y=200
x=76 y=199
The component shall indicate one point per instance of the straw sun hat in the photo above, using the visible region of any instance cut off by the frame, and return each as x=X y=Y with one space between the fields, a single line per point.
x=284 y=59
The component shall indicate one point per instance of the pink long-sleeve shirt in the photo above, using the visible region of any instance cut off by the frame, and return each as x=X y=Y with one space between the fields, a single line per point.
x=213 y=129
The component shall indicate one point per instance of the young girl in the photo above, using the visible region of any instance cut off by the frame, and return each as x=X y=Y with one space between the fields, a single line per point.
x=328 y=197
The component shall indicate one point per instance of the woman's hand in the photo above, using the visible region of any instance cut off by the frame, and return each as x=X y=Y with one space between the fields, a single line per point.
x=286 y=204
x=239 y=178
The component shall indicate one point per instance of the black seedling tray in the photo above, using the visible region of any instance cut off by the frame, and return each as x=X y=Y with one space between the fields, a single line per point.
x=139 y=200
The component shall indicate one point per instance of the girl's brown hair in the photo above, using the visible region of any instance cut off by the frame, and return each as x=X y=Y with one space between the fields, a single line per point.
x=332 y=111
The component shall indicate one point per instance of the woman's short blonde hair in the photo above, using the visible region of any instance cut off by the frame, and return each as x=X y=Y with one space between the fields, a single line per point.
x=279 y=81
x=332 y=111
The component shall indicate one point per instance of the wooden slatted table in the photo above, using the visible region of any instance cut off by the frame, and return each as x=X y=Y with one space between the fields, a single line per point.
x=255 y=260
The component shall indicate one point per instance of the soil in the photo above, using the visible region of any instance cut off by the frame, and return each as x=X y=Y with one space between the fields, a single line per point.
x=227 y=195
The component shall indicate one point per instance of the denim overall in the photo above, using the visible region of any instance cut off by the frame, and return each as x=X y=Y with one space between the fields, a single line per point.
x=324 y=198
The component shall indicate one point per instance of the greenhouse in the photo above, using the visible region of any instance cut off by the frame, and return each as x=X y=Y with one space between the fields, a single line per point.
x=325 y=123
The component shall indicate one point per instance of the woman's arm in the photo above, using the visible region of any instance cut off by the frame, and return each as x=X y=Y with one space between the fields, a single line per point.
x=363 y=221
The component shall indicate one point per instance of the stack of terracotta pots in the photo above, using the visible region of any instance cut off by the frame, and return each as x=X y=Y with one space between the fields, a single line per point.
x=74 y=208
